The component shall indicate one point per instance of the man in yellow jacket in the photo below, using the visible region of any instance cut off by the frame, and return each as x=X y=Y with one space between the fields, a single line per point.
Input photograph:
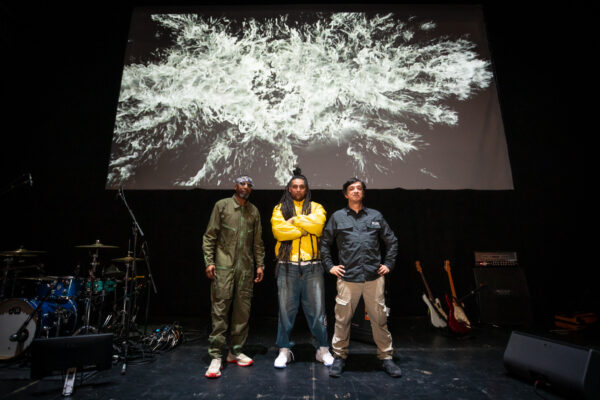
x=297 y=224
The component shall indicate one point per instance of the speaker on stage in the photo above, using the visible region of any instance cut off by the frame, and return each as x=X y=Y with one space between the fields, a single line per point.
x=563 y=367
x=505 y=299
x=64 y=352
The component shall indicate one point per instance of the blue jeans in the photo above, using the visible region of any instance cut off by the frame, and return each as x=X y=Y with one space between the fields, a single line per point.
x=301 y=284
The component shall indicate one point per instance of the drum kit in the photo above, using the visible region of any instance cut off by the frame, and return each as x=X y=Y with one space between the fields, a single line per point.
x=103 y=299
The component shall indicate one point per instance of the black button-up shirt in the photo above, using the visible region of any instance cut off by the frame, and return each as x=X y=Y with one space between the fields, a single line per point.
x=358 y=236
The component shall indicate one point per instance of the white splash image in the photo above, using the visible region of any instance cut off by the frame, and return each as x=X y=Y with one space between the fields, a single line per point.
x=254 y=91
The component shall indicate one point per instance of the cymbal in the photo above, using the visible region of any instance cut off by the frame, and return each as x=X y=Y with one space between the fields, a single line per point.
x=113 y=271
x=127 y=259
x=12 y=254
x=97 y=245
x=21 y=252
x=37 y=278
x=136 y=278
x=62 y=277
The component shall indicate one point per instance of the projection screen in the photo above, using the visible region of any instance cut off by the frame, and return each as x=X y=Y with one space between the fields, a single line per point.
x=400 y=96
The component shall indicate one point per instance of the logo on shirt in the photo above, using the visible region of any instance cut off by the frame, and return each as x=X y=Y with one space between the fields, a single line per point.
x=375 y=224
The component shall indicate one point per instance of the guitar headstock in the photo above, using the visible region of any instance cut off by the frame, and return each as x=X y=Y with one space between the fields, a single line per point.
x=418 y=265
x=447 y=265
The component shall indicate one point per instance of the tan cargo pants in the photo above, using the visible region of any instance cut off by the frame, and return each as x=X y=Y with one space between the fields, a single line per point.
x=348 y=295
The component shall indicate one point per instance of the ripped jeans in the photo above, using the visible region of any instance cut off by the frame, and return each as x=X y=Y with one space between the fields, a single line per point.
x=348 y=295
x=301 y=284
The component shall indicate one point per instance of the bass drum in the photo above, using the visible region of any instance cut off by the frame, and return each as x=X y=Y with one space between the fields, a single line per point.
x=13 y=313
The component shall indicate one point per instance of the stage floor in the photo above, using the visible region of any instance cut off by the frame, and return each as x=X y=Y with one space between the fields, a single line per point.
x=435 y=365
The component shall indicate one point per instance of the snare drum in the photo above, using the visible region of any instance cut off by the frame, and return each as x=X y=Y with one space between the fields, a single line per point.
x=13 y=313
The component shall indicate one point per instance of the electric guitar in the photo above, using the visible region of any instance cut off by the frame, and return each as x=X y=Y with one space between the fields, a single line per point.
x=436 y=312
x=457 y=319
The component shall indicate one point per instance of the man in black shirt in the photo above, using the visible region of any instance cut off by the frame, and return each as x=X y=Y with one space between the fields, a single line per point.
x=357 y=231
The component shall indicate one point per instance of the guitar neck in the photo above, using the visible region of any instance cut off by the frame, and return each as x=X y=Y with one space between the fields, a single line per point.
x=429 y=294
x=447 y=268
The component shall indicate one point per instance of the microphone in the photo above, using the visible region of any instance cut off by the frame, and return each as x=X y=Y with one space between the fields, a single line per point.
x=19 y=336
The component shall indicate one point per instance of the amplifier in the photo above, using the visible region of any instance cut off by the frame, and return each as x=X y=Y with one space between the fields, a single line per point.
x=505 y=299
x=496 y=258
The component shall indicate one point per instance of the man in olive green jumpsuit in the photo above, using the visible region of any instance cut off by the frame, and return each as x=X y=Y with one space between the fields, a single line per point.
x=232 y=245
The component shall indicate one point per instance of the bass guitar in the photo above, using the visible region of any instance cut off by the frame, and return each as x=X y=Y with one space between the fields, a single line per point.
x=457 y=319
x=436 y=312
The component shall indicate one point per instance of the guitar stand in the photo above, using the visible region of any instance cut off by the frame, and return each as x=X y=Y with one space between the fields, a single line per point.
x=469 y=334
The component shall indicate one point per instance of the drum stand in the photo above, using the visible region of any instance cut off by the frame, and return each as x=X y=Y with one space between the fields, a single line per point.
x=129 y=297
x=9 y=261
x=87 y=327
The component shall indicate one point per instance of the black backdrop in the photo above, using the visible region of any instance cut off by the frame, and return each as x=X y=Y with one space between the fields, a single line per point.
x=60 y=84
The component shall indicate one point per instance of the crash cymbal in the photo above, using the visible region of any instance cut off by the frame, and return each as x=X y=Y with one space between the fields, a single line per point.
x=37 y=278
x=97 y=245
x=21 y=252
x=127 y=259
x=61 y=277
x=12 y=254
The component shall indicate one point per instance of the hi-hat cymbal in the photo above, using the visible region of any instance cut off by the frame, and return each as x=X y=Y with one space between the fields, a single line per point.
x=113 y=271
x=97 y=245
x=127 y=259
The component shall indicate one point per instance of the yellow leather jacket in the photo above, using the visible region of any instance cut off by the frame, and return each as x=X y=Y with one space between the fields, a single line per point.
x=303 y=230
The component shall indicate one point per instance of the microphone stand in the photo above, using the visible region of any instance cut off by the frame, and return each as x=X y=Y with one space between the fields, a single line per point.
x=147 y=259
x=471 y=293
x=127 y=302
x=22 y=334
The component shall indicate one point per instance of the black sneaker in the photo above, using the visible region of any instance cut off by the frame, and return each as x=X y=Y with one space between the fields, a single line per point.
x=337 y=367
x=391 y=368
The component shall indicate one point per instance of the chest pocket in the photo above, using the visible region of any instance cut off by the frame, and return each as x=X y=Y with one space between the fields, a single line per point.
x=373 y=225
x=228 y=233
x=344 y=228
x=372 y=228
x=344 y=233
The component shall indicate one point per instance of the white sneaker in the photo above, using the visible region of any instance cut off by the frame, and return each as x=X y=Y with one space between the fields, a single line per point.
x=214 y=370
x=241 y=359
x=285 y=356
x=323 y=355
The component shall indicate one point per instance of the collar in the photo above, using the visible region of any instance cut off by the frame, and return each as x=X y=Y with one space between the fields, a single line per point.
x=298 y=203
x=350 y=211
x=236 y=204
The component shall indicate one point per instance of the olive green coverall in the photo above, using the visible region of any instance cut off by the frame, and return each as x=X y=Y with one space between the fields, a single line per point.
x=233 y=243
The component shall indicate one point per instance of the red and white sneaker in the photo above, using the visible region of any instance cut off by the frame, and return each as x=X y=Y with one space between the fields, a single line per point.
x=241 y=359
x=214 y=370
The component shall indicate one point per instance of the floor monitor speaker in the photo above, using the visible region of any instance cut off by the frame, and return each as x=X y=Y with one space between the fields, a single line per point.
x=566 y=368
